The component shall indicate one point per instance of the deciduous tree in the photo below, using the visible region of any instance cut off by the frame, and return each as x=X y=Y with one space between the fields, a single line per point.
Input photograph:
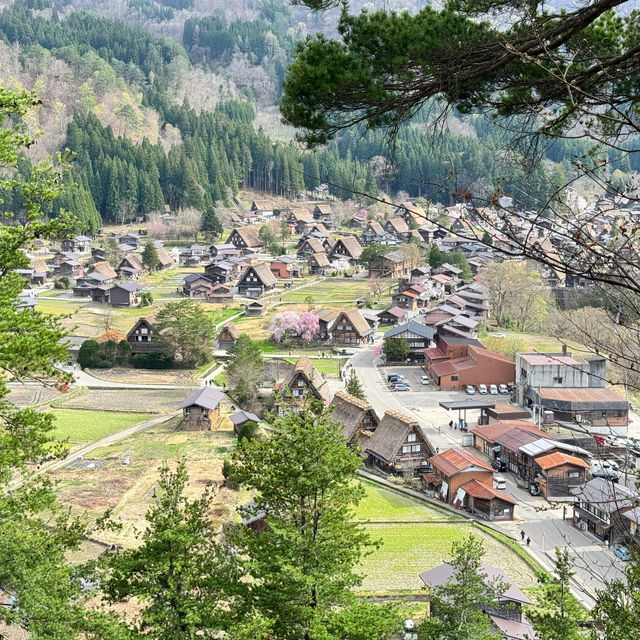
x=395 y=349
x=187 y=330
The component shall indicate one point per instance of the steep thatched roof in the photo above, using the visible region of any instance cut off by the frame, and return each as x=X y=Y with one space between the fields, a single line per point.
x=390 y=434
x=316 y=382
x=349 y=411
x=105 y=269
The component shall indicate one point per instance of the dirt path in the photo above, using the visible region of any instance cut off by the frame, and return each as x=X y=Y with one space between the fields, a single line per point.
x=113 y=437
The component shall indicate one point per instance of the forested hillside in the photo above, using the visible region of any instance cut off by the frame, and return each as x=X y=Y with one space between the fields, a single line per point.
x=119 y=99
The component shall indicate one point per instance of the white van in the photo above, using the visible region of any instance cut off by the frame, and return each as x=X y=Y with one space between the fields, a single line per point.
x=499 y=483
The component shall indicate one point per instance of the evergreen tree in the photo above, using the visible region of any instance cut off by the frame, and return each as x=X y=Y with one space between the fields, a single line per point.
x=456 y=607
x=354 y=387
x=36 y=534
x=302 y=569
x=150 y=256
x=211 y=226
x=557 y=614
x=182 y=581
x=244 y=368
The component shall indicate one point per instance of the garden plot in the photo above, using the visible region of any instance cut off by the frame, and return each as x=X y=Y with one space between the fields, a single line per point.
x=146 y=400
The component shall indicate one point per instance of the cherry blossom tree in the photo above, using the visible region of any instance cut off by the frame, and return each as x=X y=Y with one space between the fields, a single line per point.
x=290 y=325
x=283 y=325
x=309 y=326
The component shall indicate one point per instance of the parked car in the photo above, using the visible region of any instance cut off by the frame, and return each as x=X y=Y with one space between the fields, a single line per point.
x=482 y=389
x=424 y=379
x=401 y=386
x=470 y=389
x=499 y=483
x=493 y=389
x=502 y=388
x=499 y=465
x=394 y=376
x=499 y=335
x=622 y=553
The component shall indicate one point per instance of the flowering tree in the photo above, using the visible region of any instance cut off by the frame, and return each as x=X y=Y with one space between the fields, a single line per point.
x=309 y=326
x=377 y=351
x=289 y=324
x=284 y=324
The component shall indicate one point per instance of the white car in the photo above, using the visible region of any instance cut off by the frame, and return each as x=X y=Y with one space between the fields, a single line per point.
x=470 y=390
x=499 y=483
x=424 y=379
x=482 y=389
x=493 y=390
x=502 y=388
x=498 y=335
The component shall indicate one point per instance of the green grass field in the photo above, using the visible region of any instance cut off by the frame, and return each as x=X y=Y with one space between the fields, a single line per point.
x=408 y=549
x=385 y=505
x=87 y=426
x=219 y=315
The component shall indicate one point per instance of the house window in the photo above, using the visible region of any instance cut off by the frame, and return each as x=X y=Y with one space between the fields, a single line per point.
x=574 y=474
x=415 y=448
x=557 y=380
x=498 y=512
x=187 y=412
x=301 y=383
x=454 y=378
x=523 y=373
x=406 y=448
x=411 y=437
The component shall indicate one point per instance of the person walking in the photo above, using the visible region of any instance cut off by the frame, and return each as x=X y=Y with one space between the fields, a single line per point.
x=528 y=541
x=522 y=535
x=450 y=424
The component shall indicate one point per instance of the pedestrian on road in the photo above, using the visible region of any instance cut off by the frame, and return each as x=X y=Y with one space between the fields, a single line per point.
x=528 y=541
x=450 y=424
x=522 y=535
x=437 y=450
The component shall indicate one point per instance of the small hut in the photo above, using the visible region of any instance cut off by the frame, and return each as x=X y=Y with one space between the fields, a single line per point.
x=201 y=409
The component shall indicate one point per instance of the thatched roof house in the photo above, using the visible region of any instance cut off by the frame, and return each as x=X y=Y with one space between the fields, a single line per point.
x=398 y=443
x=353 y=414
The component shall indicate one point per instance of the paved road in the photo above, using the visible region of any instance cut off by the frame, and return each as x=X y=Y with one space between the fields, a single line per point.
x=594 y=564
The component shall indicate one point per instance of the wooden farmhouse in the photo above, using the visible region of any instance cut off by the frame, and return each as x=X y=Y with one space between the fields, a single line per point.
x=392 y=265
x=197 y=285
x=201 y=409
x=126 y=294
x=103 y=267
x=318 y=264
x=130 y=267
x=347 y=248
x=350 y=329
x=354 y=415
x=399 y=228
x=228 y=337
x=256 y=280
x=303 y=381
x=256 y=308
x=247 y=239
x=397 y=445
x=326 y=318
x=142 y=338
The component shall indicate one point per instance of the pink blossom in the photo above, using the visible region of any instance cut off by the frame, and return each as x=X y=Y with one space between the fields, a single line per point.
x=308 y=326
x=284 y=323
x=377 y=351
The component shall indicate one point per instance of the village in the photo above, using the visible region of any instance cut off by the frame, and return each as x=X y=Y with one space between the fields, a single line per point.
x=532 y=449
